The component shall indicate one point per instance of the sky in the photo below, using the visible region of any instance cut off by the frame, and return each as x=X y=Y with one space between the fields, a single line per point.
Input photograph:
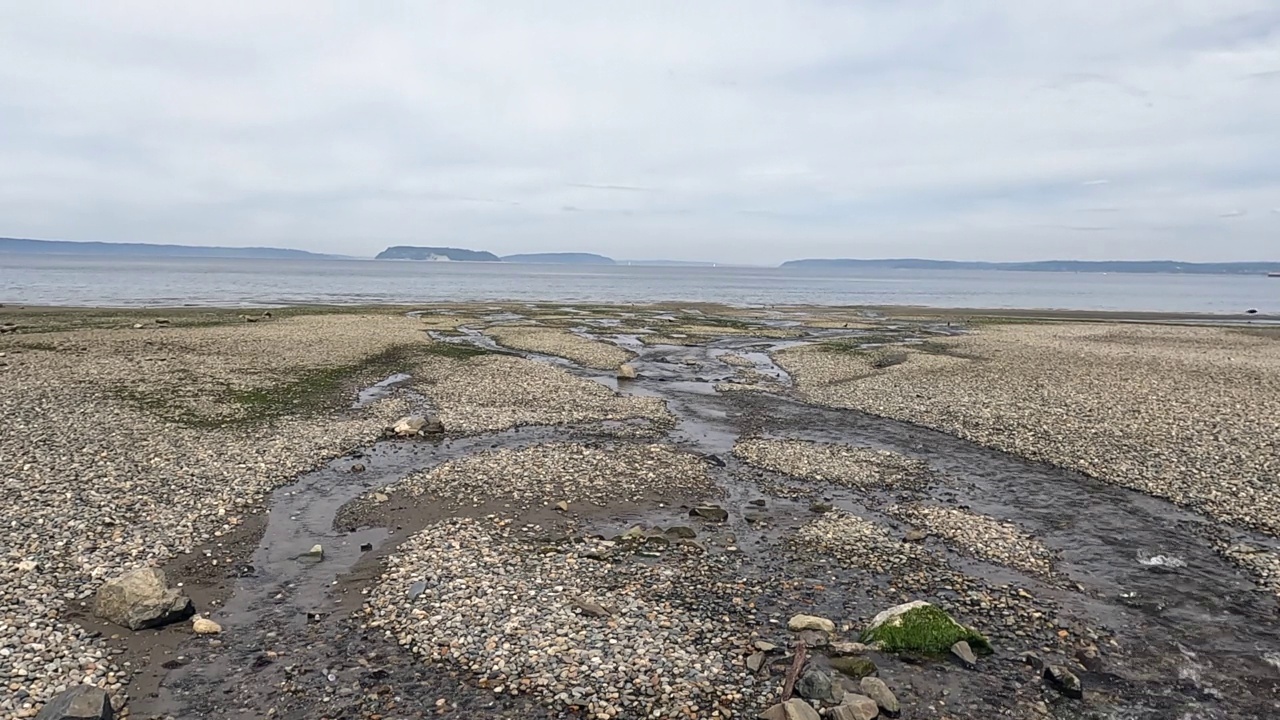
x=745 y=131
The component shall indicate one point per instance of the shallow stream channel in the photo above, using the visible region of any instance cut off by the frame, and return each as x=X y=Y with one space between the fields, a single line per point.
x=1154 y=622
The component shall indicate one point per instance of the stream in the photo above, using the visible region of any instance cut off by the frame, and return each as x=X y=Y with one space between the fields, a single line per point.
x=1192 y=634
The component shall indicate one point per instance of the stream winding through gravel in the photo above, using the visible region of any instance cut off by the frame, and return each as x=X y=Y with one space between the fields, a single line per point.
x=1197 y=632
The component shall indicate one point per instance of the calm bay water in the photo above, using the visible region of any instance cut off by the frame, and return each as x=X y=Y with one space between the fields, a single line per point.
x=101 y=281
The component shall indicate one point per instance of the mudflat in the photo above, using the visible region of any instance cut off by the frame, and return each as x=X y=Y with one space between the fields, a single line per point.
x=1096 y=498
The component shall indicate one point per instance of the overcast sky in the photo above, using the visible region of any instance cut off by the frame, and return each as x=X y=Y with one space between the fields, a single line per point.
x=744 y=130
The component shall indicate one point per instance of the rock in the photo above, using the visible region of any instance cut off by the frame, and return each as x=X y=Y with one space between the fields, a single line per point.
x=820 y=507
x=592 y=609
x=716 y=460
x=874 y=688
x=141 y=599
x=1064 y=681
x=764 y=646
x=409 y=425
x=315 y=554
x=434 y=425
x=755 y=661
x=162 y=321
x=366 y=547
x=714 y=513
x=82 y=702
x=919 y=627
x=848 y=648
x=681 y=532
x=810 y=622
x=1088 y=657
x=26 y=566
x=137 y=326
x=815 y=684
x=855 y=707
x=562 y=506
x=380 y=497
x=626 y=372
x=1033 y=660
x=758 y=502
x=853 y=666
x=962 y=650
x=915 y=536
x=205 y=626
x=793 y=709
x=357 y=468
x=815 y=638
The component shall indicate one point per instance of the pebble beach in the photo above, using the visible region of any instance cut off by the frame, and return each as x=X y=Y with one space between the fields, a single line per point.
x=557 y=543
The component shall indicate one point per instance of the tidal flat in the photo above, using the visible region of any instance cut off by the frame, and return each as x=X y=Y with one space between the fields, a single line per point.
x=466 y=510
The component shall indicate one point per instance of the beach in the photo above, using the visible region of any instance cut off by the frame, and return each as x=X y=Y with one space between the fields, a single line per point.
x=546 y=510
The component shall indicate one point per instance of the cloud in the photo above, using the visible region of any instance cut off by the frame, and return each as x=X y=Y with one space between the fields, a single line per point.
x=979 y=130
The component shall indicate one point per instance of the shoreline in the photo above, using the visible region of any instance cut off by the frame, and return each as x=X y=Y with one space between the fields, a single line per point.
x=892 y=311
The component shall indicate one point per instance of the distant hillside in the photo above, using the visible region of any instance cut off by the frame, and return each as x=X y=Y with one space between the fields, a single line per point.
x=560 y=258
x=68 y=247
x=1090 y=266
x=409 y=252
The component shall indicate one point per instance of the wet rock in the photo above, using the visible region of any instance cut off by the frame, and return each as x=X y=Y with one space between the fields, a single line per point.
x=854 y=666
x=919 y=627
x=884 y=698
x=714 y=513
x=815 y=684
x=315 y=554
x=1064 y=681
x=962 y=650
x=357 y=468
x=626 y=372
x=755 y=661
x=205 y=626
x=764 y=646
x=821 y=507
x=915 y=536
x=815 y=638
x=682 y=532
x=562 y=506
x=82 y=702
x=366 y=547
x=162 y=321
x=716 y=460
x=847 y=648
x=417 y=589
x=793 y=709
x=1089 y=658
x=758 y=502
x=1033 y=660
x=855 y=707
x=810 y=622
x=408 y=426
x=141 y=599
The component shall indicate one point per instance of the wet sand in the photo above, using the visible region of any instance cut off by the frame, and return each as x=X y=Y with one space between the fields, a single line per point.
x=467 y=601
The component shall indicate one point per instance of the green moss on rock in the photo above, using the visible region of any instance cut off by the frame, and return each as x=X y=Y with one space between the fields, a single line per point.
x=919 y=627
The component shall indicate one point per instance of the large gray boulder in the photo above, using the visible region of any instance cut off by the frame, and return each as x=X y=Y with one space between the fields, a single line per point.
x=82 y=702
x=142 y=599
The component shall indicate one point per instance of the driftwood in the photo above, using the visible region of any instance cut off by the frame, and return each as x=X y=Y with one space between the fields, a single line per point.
x=796 y=663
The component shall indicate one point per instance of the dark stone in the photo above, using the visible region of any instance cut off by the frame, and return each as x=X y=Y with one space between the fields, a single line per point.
x=357 y=468
x=820 y=507
x=714 y=513
x=682 y=532
x=758 y=502
x=82 y=702
x=1089 y=658
x=715 y=460
x=815 y=684
x=1033 y=660
x=854 y=666
x=366 y=547
x=1064 y=681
